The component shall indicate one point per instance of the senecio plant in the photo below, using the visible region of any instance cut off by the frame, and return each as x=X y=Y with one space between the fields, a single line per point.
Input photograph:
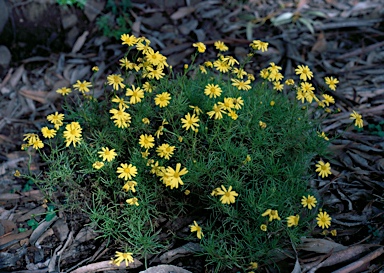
x=214 y=144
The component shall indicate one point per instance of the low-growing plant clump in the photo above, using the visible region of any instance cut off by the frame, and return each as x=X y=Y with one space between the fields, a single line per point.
x=214 y=143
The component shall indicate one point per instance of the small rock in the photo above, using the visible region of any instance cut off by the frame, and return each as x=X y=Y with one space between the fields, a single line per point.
x=5 y=56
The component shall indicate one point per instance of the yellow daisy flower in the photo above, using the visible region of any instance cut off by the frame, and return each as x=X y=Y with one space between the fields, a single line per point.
x=196 y=228
x=126 y=171
x=309 y=202
x=106 y=154
x=323 y=219
x=324 y=169
x=227 y=196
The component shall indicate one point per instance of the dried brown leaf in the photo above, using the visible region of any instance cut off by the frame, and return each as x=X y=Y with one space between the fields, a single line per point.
x=40 y=96
x=182 y=12
x=16 y=76
x=80 y=42
x=319 y=245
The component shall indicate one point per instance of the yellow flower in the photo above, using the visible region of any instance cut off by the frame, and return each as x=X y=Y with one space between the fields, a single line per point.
x=240 y=73
x=334 y=232
x=147 y=141
x=230 y=60
x=273 y=214
x=227 y=104
x=136 y=94
x=56 y=119
x=98 y=165
x=247 y=159
x=36 y=143
x=120 y=257
x=64 y=91
x=120 y=117
x=148 y=87
x=130 y=186
x=324 y=169
x=197 y=228
x=30 y=136
x=304 y=72
x=124 y=62
x=221 y=66
x=95 y=69
x=155 y=58
x=215 y=191
x=220 y=46
x=82 y=86
x=116 y=81
x=238 y=102
x=289 y=82
x=200 y=47
x=259 y=45
x=122 y=103
x=145 y=154
x=275 y=76
x=143 y=45
x=165 y=150
x=145 y=121
x=278 y=86
x=264 y=73
x=126 y=171
x=358 y=119
x=253 y=265
x=187 y=192
x=273 y=68
x=106 y=154
x=212 y=90
x=132 y=201
x=72 y=133
x=190 y=122
x=272 y=103
x=129 y=40
x=262 y=124
x=217 y=112
x=241 y=85
x=293 y=220
x=208 y=64
x=196 y=110
x=162 y=99
x=228 y=196
x=322 y=135
x=309 y=201
x=328 y=99
x=263 y=227
x=155 y=73
x=48 y=133
x=203 y=70
x=306 y=87
x=172 y=176
x=331 y=82
x=233 y=114
x=323 y=219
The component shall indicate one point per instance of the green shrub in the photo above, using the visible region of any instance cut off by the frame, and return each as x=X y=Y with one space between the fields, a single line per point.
x=232 y=155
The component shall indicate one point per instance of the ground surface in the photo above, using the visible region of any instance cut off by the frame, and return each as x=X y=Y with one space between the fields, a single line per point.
x=340 y=38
